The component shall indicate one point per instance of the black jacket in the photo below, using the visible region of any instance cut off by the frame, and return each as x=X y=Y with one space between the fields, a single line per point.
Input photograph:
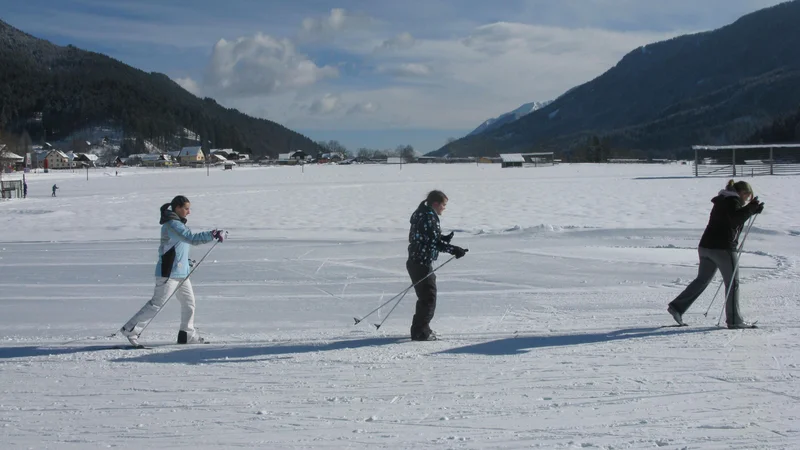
x=728 y=216
x=425 y=236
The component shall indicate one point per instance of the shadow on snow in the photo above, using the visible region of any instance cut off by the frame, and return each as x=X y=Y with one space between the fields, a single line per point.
x=523 y=344
x=33 y=351
x=201 y=354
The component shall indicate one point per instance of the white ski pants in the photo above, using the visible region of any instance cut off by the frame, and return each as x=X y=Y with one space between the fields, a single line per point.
x=164 y=288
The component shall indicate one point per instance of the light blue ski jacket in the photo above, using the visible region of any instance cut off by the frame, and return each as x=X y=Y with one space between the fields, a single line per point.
x=176 y=240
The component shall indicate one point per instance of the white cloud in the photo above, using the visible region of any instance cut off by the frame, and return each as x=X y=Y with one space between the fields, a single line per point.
x=405 y=70
x=335 y=105
x=401 y=41
x=338 y=20
x=328 y=104
x=485 y=72
x=190 y=85
x=363 y=108
x=260 y=65
x=436 y=83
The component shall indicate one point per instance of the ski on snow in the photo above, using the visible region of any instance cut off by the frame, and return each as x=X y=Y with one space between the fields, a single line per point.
x=752 y=326
x=150 y=347
x=130 y=347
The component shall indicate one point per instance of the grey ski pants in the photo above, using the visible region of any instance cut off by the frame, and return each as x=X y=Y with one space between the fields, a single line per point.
x=164 y=289
x=710 y=261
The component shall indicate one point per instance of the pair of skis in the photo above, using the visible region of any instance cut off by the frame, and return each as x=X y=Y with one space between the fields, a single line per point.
x=678 y=325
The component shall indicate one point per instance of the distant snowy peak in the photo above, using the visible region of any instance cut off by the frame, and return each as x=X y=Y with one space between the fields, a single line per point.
x=509 y=117
x=528 y=108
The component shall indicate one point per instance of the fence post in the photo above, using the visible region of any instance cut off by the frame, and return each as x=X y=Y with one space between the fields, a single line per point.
x=695 y=163
x=733 y=161
x=771 y=162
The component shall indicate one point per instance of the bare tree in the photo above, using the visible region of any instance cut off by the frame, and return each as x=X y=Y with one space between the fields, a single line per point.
x=406 y=152
x=334 y=147
x=365 y=153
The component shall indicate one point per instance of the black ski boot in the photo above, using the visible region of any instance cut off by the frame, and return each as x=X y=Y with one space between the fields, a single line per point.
x=429 y=336
x=741 y=326
x=184 y=338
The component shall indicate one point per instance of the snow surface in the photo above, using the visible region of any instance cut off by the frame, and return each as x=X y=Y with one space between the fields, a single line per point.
x=552 y=323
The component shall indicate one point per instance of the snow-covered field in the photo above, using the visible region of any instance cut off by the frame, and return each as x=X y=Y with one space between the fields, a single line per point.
x=552 y=324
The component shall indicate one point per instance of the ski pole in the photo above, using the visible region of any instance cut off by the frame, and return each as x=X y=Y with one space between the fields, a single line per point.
x=402 y=293
x=378 y=325
x=738 y=255
x=176 y=289
x=733 y=276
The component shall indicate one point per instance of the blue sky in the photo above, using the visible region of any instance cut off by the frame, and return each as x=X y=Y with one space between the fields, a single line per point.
x=372 y=74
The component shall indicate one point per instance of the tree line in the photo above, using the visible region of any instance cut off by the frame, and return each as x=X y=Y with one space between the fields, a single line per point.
x=406 y=152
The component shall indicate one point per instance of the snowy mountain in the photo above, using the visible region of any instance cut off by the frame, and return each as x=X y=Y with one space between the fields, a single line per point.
x=70 y=90
x=509 y=117
x=730 y=83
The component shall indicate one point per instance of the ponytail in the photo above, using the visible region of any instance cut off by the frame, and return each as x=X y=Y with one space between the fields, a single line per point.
x=739 y=186
x=177 y=201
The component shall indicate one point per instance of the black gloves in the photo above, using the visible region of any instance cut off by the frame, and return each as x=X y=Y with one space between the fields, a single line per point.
x=459 y=252
x=447 y=237
x=755 y=206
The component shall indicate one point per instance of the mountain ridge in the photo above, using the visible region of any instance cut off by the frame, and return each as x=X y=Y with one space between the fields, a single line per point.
x=712 y=87
x=74 y=89
x=496 y=122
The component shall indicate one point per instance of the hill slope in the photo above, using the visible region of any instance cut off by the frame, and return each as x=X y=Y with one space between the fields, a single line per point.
x=713 y=87
x=497 y=122
x=73 y=88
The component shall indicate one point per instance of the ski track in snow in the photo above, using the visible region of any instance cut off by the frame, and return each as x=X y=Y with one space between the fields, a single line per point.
x=553 y=335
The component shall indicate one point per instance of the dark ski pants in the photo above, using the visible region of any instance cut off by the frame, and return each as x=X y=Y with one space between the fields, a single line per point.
x=710 y=261
x=426 y=299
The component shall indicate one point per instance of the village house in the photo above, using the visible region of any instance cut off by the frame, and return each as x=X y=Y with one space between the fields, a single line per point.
x=156 y=159
x=85 y=160
x=230 y=154
x=56 y=159
x=191 y=156
x=10 y=160
x=146 y=160
x=333 y=157
x=217 y=158
x=295 y=157
x=224 y=152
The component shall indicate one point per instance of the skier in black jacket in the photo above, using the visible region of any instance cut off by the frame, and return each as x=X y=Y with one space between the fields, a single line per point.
x=425 y=242
x=717 y=250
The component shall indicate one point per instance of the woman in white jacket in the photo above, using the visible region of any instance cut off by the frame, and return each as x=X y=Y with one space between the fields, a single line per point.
x=171 y=272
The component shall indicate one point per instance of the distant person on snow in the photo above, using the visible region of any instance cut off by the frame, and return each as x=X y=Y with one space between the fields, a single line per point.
x=24 y=190
x=55 y=188
x=717 y=250
x=171 y=271
x=425 y=242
